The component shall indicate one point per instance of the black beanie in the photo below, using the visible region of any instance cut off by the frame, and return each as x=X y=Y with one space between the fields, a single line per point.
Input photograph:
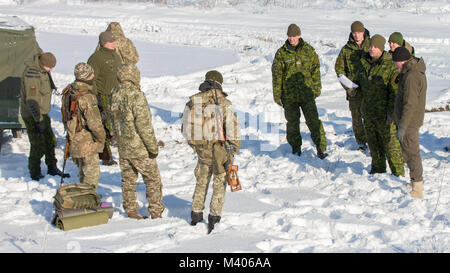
x=401 y=54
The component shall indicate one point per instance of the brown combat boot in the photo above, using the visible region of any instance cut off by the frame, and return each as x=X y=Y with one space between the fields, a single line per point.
x=417 y=189
x=134 y=215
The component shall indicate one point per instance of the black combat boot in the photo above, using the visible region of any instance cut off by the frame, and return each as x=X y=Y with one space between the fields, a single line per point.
x=297 y=151
x=212 y=220
x=196 y=217
x=321 y=154
x=53 y=170
x=36 y=177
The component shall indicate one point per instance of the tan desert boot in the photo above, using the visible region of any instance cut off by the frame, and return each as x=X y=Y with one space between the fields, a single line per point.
x=417 y=189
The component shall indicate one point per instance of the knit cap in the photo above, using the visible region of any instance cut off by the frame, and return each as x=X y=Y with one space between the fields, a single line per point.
x=357 y=26
x=293 y=31
x=214 y=75
x=401 y=54
x=106 y=37
x=397 y=38
x=83 y=71
x=378 y=41
x=47 y=59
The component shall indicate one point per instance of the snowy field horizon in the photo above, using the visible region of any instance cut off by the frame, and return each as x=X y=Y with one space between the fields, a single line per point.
x=288 y=204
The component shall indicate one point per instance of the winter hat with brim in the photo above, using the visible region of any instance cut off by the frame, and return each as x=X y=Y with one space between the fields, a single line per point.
x=401 y=54
x=83 y=71
x=397 y=38
x=357 y=26
x=214 y=75
x=378 y=41
x=293 y=31
x=106 y=37
x=47 y=59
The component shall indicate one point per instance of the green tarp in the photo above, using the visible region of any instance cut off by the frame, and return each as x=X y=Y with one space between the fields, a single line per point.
x=17 y=44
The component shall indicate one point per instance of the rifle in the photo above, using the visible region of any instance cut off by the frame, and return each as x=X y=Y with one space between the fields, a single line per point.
x=66 y=156
x=231 y=170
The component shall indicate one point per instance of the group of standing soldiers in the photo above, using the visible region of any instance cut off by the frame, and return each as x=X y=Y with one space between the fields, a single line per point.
x=387 y=110
x=387 y=106
x=105 y=104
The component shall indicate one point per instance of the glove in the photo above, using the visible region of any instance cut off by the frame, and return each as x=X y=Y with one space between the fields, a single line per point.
x=152 y=156
x=40 y=126
x=351 y=92
x=400 y=133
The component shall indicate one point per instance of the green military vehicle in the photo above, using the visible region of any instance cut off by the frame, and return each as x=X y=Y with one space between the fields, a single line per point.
x=17 y=44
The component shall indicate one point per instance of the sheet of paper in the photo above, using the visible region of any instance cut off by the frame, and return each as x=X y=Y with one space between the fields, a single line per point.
x=347 y=82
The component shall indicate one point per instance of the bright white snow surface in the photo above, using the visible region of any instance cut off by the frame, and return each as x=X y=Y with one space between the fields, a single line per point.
x=288 y=203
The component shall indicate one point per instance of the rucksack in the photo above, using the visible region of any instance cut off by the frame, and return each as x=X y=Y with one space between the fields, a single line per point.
x=69 y=106
x=76 y=196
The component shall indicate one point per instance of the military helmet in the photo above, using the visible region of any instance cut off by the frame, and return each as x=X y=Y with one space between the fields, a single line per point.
x=214 y=75
x=83 y=71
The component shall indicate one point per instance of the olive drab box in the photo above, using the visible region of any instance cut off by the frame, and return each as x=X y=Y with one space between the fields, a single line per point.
x=77 y=196
x=17 y=45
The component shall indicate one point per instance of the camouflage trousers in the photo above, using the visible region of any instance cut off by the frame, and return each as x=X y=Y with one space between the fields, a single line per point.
x=357 y=120
x=148 y=168
x=383 y=145
x=40 y=144
x=203 y=173
x=315 y=126
x=88 y=169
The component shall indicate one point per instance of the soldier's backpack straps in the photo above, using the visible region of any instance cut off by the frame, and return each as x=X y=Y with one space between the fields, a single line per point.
x=69 y=105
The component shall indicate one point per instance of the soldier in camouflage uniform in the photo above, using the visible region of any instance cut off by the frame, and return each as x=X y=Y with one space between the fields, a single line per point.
x=396 y=40
x=377 y=81
x=105 y=62
x=348 y=63
x=138 y=148
x=124 y=46
x=296 y=84
x=85 y=128
x=199 y=127
x=36 y=96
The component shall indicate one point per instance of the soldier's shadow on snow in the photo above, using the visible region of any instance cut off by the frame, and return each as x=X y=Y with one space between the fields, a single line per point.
x=177 y=207
x=433 y=144
x=43 y=208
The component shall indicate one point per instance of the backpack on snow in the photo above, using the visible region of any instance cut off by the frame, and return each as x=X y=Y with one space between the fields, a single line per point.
x=76 y=196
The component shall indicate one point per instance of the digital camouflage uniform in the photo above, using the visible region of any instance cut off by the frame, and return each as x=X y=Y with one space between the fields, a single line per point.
x=348 y=63
x=105 y=63
x=85 y=129
x=138 y=148
x=36 y=96
x=296 y=83
x=124 y=46
x=199 y=127
x=377 y=81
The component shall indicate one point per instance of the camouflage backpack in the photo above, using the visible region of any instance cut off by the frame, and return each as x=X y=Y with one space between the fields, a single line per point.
x=76 y=196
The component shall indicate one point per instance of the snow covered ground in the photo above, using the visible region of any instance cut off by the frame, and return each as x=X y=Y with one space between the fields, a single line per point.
x=289 y=203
